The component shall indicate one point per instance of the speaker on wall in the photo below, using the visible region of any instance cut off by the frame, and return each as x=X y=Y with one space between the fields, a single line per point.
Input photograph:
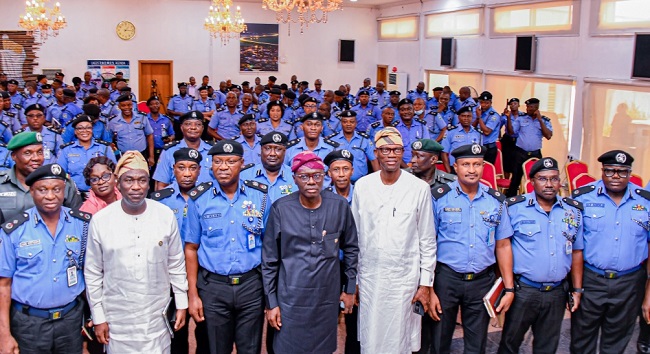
x=448 y=52
x=346 y=50
x=641 y=64
x=526 y=53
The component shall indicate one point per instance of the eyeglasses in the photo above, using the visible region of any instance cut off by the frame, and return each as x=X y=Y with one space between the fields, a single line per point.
x=104 y=177
x=386 y=151
x=544 y=180
x=318 y=177
x=229 y=163
x=610 y=172
x=35 y=115
x=80 y=129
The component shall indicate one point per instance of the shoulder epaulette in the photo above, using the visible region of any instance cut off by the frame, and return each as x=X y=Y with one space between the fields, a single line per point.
x=256 y=110
x=447 y=176
x=411 y=91
x=162 y=194
x=331 y=142
x=171 y=144
x=440 y=192
x=4 y=123
x=574 y=203
x=363 y=134
x=199 y=190
x=394 y=124
x=67 y=144
x=19 y=131
x=103 y=142
x=257 y=185
x=331 y=135
x=3 y=145
x=583 y=190
x=375 y=124
x=246 y=167
x=262 y=120
x=221 y=109
x=196 y=100
x=329 y=189
x=642 y=192
x=546 y=118
x=288 y=121
x=112 y=103
x=24 y=94
x=13 y=224
x=17 y=106
x=421 y=121
x=514 y=200
x=293 y=142
x=175 y=95
x=54 y=130
x=496 y=194
x=235 y=137
x=83 y=216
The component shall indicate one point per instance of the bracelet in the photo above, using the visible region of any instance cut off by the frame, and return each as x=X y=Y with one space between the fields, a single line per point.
x=509 y=290
x=578 y=290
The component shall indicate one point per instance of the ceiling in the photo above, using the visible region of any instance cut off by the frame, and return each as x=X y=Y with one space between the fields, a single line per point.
x=361 y=3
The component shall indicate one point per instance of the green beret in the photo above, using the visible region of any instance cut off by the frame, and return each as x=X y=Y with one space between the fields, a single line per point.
x=23 y=139
x=426 y=145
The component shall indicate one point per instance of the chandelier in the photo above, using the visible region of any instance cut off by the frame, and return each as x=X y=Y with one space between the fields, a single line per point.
x=40 y=21
x=307 y=11
x=220 y=23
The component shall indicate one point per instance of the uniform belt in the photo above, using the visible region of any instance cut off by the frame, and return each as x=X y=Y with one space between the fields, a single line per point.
x=530 y=153
x=467 y=276
x=50 y=314
x=540 y=286
x=490 y=145
x=233 y=279
x=611 y=274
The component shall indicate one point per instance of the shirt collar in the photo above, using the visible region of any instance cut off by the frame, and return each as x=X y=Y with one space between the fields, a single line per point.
x=216 y=190
x=600 y=189
x=455 y=186
x=36 y=216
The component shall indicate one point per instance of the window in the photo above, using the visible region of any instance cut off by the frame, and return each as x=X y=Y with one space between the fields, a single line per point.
x=455 y=80
x=616 y=16
x=617 y=117
x=556 y=102
x=456 y=23
x=555 y=17
x=403 y=28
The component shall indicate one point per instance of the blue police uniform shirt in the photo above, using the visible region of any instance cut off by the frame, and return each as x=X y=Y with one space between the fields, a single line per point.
x=504 y=123
x=397 y=117
x=73 y=158
x=253 y=111
x=6 y=162
x=100 y=132
x=418 y=130
x=69 y=112
x=177 y=204
x=322 y=149
x=226 y=123
x=180 y=104
x=492 y=120
x=349 y=198
x=432 y=103
x=459 y=137
x=543 y=244
x=362 y=149
x=131 y=135
x=366 y=115
x=52 y=143
x=14 y=117
x=37 y=261
x=435 y=124
x=252 y=154
x=163 y=124
x=264 y=97
x=114 y=95
x=204 y=106
x=468 y=229
x=219 y=98
x=529 y=132
x=228 y=231
x=377 y=126
x=371 y=91
x=282 y=186
x=108 y=110
x=319 y=96
x=34 y=99
x=382 y=99
x=5 y=132
x=18 y=98
x=264 y=127
x=85 y=87
x=332 y=125
x=165 y=168
x=414 y=94
x=615 y=237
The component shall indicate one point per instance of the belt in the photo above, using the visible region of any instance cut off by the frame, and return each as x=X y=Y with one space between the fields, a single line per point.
x=467 y=276
x=233 y=279
x=530 y=153
x=611 y=274
x=540 y=286
x=50 y=314
x=490 y=145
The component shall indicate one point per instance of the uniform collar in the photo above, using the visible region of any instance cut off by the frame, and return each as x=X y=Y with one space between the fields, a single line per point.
x=216 y=190
x=531 y=200
x=35 y=216
x=457 y=191
x=600 y=189
x=176 y=188
x=203 y=146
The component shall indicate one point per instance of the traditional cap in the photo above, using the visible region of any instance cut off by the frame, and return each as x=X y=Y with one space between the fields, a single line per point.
x=388 y=136
x=404 y=101
x=532 y=101
x=394 y=93
x=92 y=110
x=151 y=99
x=69 y=93
x=122 y=98
x=426 y=145
x=308 y=159
x=12 y=82
x=615 y=157
x=23 y=139
x=275 y=91
x=485 y=96
x=131 y=160
x=463 y=110
x=35 y=107
x=187 y=154
x=51 y=171
x=274 y=138
x=191 y=115
x=364 y=92
x=514 y=99
x=469 y=151
x=227 y=147
x=46 y=86
x=246 y=118
x=312 y=116
x=543 y=164
x=347 y=113
x=273 y=78
x=290 y=95
x=339 y=155
x=125 y=89
x=181 y=84
x=80 y=119
x=339 y=93
x=437 y=88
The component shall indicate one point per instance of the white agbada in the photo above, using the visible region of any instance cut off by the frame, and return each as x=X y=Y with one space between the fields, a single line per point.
x=397 y=253
x=130 y=263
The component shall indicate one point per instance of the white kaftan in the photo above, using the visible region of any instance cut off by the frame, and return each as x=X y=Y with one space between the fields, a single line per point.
x=130 y=263
x=397 y=253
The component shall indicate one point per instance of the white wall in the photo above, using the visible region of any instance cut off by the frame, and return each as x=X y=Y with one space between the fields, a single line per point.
x=173 y=30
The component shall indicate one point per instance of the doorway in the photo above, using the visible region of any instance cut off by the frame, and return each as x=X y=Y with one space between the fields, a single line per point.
x=156 y=78
x=382 y=73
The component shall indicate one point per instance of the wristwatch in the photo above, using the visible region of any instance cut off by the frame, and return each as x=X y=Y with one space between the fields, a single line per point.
x=509 y=290
x=578 y=290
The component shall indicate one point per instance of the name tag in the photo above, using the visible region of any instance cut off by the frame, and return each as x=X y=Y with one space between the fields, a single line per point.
x=452 y=210
x=72 y=276
x=527 y=222
x=29 y=243
x=595 y=205
x=212 y=216
x=8 y=194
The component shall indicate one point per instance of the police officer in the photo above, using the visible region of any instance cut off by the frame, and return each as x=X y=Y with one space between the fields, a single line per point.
x=249 y=140
x=192 y=126
x=109 y=109
x=546 y=245
x=46 y=91
x=616 y=234
x=508 y=141
x=464 y=134
x=204 y=104
x=332 y=121
x=74 y=156
x=436 y=124
x=52 y=141
x=272 y=171
x=380 y=96
x=100 y=130
x=419 y=92
x=33 y=97
x=6 y=162
x=488 y=122
x=387 y=119
x=70 y=109
x=312 y=126
x=17 y=98
x=11 y=114
x=367 y=113
x=223 y=238
x=432 y=103
x=425 y=156
x=86 y=84
x=308 y=105
x=367 y=87
x=393 y=102
x=465 y=100
x=131 y=130
x=278 y=119
x=178 y=105
x=359 y=144
x=162 y=125
x=223 y=124
x=472 y=227
x=41 y=262
x=410 y=128
x=529 y=129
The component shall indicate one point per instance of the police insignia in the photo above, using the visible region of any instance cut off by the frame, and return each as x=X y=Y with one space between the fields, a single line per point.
x=277 y=138
x=639 y=207
x=417 y=145
x=56 y=169
x=548 y=163
x=286 y=189
x=345 y=154
x=249 y=209
x=227 y=147
x=71 y=238
x=620 y=157
x=193 y=154
x=476 y=149
x=39 y=137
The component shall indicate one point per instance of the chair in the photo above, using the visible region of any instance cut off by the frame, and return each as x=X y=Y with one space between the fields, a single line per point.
x=529 y=187
x=499 y=145
x=636 y=179
x=489 y=177
x=142 y=107
x=526 y=166
x=581 y=180
x=440 y=166
x=573 y=169
x=502 y=183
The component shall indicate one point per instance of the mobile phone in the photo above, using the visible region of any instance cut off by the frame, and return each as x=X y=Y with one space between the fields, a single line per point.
x=418 y=308
x=570 y=300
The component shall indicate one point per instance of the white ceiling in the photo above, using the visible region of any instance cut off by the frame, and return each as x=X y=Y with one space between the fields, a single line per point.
x=360 y=3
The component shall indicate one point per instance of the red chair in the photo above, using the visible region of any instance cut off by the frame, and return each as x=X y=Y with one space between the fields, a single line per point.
x=489 y=177
x=529 y=187
x=502 y=183
x=573 y=169
x=527 y=165
x=142 y=107
x=636 y=179
x=440 y=166
x=582 y=180
x=499 y=145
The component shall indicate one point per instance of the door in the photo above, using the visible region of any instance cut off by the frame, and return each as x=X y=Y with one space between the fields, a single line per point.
x=382 y=73
x=156 y=79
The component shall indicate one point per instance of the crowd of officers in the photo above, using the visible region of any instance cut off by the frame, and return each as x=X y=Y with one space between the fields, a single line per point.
x=586 y=253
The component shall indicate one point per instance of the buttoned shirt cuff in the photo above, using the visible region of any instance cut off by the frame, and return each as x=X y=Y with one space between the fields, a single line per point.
x=98 y=315
x=181 y=301
x=426 y=277
x=272 y=300
x=350 y=286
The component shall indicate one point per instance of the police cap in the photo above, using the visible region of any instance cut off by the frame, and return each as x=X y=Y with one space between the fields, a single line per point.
x=616 y=157
x=404 y=101
x=35 y=107
x=339 y=155
x=191 y=115
x=187 y=154
x=274 y=138
x=543 y=164
x=312 y=116
x=80 y=119
x=245 y=118
x=23 y=139
x=469 y=151
x=51 y=171
x=227 y=147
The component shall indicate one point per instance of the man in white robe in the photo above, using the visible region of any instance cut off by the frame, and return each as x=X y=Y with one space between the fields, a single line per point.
x=397 y=251
x=134 y=255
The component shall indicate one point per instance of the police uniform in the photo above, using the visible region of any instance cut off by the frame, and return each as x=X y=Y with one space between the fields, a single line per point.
x=377 y=126
x=616 y=243
x=162 y=128
x=467 y=231
x=332 y=125
x=458 y=137
x=6 y=162
x=417 y=130
x=492 y=119
x=435 y=124
x=204 y=106
x=14 y=117
x=439 y=177
x=85 y=87
x=469 y=102
x=46 y=272
x=52 y=143
x=229 y=234
x=34 y=99
x=415 y=94
x=251 y=153
x=366 y=115
x=131 y=135
x=264 y=126
x=508 y=142
x=74 y=157
x=5 y=132
x=381 y=99
x=361 y=147
x=109 y=110
x=371 y=90
x=18 y=98
x=70 y=110
x=225 y=123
